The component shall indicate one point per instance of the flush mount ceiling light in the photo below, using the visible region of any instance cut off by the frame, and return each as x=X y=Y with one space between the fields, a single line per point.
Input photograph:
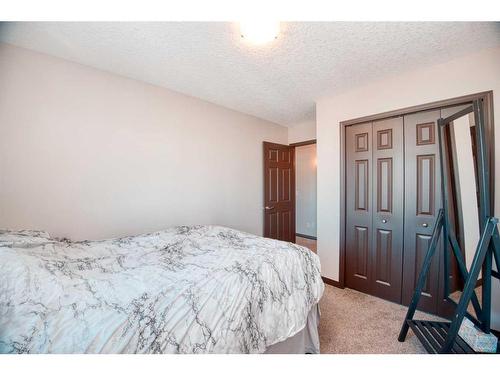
x=259 y=31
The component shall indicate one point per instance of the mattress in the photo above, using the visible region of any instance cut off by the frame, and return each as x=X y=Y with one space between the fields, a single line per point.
x=187 y=289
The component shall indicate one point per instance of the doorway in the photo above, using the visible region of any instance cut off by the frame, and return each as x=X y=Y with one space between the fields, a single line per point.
x=290 y=192
x=305 y=195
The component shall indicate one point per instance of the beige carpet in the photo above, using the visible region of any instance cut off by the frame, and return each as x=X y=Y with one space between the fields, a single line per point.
x=353 y=322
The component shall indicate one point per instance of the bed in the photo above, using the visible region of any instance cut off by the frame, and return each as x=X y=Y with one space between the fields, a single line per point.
x=187 y=289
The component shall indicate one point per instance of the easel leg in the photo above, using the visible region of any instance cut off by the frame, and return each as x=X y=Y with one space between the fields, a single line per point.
x=486 y=298
x=464 y=272
x=482 y=249
x=496 y=248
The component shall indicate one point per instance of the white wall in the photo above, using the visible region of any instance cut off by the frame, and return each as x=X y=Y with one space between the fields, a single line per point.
x=303 y=131
x=88 y=154
x=470 y=74
x=305 y=190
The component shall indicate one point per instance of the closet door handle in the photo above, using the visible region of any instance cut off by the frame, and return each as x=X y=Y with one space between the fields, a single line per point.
x=425 y=225
x=384 y=221
x=269 y=208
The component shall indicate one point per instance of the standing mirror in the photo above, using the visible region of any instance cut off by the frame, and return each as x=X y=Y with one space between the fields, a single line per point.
x=468 y=230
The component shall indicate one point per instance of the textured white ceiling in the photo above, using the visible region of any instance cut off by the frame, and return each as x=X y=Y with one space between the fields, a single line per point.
x=278 y=82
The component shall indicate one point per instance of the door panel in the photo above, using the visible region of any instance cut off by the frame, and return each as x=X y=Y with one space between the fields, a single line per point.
x=387 y=223
x=358 y=206
x=383 y=251
x=422 y=201
x=279 y=192
x=426 y=185
x=361 y=252
x=422 y=243
x=361 y=184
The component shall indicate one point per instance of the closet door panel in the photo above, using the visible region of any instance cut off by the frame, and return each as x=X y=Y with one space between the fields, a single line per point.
x=422 y=202
x=387 y=195
x=359 y=206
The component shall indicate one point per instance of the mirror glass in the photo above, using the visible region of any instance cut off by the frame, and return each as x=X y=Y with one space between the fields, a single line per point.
x=463 y=191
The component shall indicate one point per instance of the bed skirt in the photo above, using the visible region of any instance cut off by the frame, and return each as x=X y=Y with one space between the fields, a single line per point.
x=305 y=341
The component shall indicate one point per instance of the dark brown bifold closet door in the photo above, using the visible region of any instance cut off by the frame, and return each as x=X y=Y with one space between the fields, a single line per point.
x=358 y=206
x=387 y=193
x=374 y=208
x=422 y=202
x=393 y=194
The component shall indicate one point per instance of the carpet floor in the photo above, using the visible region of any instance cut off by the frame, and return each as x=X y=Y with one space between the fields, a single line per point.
x=356 y=323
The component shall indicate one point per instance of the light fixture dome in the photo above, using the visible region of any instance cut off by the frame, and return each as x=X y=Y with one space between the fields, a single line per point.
x=259 y=31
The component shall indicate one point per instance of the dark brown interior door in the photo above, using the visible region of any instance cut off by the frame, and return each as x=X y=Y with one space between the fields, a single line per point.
x=279 y=192
x=422 y=202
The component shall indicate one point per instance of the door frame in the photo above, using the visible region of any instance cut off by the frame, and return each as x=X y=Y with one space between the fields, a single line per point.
x=487 y=96
x=295 y=145
x=304 y=143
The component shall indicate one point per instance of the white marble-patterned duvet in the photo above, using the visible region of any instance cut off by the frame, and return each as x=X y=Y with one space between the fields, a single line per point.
x=199 y=289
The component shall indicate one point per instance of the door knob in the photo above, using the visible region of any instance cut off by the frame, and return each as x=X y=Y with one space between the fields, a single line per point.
x=384 y=221
x=425 y=225
x=269 y=208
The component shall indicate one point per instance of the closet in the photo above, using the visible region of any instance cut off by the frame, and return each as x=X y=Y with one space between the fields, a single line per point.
x=393 y=194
